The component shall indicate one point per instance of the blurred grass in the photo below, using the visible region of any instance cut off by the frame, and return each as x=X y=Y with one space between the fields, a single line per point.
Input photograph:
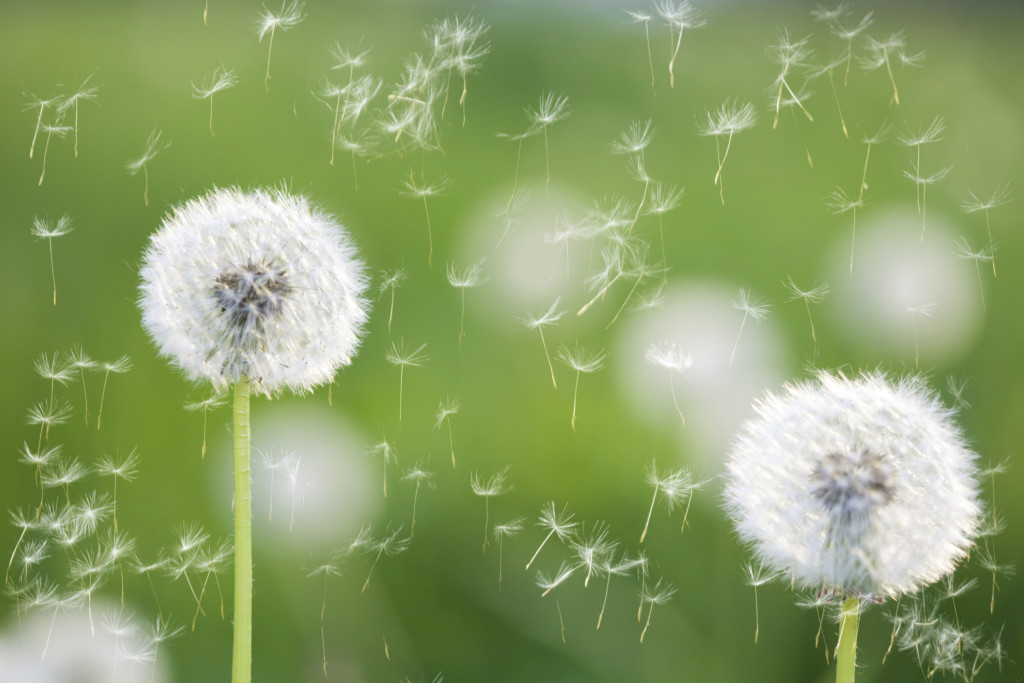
x=437 y=605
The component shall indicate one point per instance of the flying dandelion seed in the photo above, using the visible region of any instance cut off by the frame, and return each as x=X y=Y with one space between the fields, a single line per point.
x=495 y=485
x=789 y=54
x=963 y=250
x=391 y=280
x=154 y=145
x=83 y=93
x=390 y=544
x=417 y=476
x=582 y=361
x=78 y=359
x=915 y=139
x=915 y=310
x=922 y=182
x=645 y=17
x=611 y=567
x=670 y=356
x=678 y=15
x=448 y=407
x=592 y=549
x=220 y=79
x=664 y=199
x=402 y=358
x=459 y=44
x=828 y=69
x=551 y=109
x=839 y=202
x=501 y=532
x=54 y=129
x=290 y=15
x=558 y=523
x=549 y=318
x=848 y=34
x=422 y=192
x=870 y=140
x=387 y=454
x=216 y=400
x=883 y=52
x=471 y=276
x=659 y=594
x=814 y=295
x=42 y=229
x=40 y=104
x=756 y=311
x=118 y=367
x=1000 y=196
x=565 y=570
x=326 y=570
x=756 y=578
x=730 y=118
x=124 y=468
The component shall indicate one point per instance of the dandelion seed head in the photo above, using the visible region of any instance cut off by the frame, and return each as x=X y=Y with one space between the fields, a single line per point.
x=860 y=486
x=257 y=285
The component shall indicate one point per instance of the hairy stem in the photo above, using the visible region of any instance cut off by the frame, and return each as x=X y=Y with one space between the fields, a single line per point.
x=241 y=663
x=846 y=655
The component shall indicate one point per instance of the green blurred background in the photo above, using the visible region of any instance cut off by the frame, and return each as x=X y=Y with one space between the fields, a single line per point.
x=437 y=607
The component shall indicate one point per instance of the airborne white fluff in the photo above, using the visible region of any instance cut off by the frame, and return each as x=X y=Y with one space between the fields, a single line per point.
x=258 y=285
x=858 y=486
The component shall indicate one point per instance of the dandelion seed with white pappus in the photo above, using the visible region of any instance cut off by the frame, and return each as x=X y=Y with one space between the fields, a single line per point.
x=391 y=543
x=829 y=15
x=672 y=487
x=459 y=44
x=154 y=145
x=60 y=603
x=52 y=129
x=922 y=182
x=391 y=280
x=289 y=17
x=848 y=34
x=326 y=570
x=582 y=361
x=48 y=414
x=814 y=295
x=84 y=92
x=862 y=488
x=55 y=368
x=1000 y=196
x=118 y=367
x=659 y=594
x=501 y=532
x=550 y=583
x=42 y=104
x=839 y=202
x=449 y=406
x=495 y=485
x=755 y=310
x=212 y=402
x=670 y=356
x=755 y=578
x=25 y=521
x=678 y=15
x=878 y=138
x=610 y=566
x=987 y=561
x=961 y=249
x=274 y=302
x=615 y=268
x=125 y=468
x=550 y=109
x=398 y=355
x=789 y=54
x=418 y=476
x=828 y=69
x=471 y=276
x=387 y=454
x=549 y=318
x=645 y=18
x=882 y=53
x=79 y=360
x=922 y=136
x=591 y=549
x=220 y=79
x=41 y=229
x=558 y=523
x=730 y=118
x=664 y=198
x=63 y=473
x=422 y=191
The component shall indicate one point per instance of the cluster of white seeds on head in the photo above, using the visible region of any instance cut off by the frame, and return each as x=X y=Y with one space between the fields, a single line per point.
x=257 y=285
x=860 y=486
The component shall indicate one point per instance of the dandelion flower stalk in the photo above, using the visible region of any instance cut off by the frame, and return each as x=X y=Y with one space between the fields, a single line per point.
x=846 y=650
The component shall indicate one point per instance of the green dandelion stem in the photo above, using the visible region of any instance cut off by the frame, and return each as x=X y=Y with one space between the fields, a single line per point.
x=241 y=665
x=846 y=651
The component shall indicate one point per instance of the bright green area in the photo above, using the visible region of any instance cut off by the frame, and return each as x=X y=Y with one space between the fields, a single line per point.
x=437 y=606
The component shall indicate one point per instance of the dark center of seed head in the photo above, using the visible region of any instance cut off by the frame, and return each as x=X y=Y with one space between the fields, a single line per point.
x=249 y=295
x=852 y=484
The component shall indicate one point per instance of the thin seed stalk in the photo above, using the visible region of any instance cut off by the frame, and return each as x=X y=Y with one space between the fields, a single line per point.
x=991 y=246
x=548 y=357
x=241 y=661
x=846 y=651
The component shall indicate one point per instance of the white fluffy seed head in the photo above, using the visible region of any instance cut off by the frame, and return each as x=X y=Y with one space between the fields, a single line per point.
x=257 y=285
x=856 y=486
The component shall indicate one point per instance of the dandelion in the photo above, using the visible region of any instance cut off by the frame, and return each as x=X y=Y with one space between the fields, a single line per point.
x=582 y=361
x=495 y=485
x=139 y=566
x=93 y=510
x=42 y=229
x=862 y=488
x=78 y=359
x=119 y=367
x=789 y=54
x=829 y=15
x=957 y=387
x=678 y=15
x=154 y=145
x=883 y=52
x=220 y=79
x=326 y=570
x=471 y=276
x=392 y=279
x=116 y=546
x=922 y=182
x=758 y=577
x=212 y=402
x=402 y=358
x=755 y=310
x=387 y=454
x=48 y=414
x=160 y=631
x=987 y=561
x=448 y=407
x=828 y=69
x=460 y=41
x=660 y=594
x=922 y=136
x=926 y=310
x=839 y=202
x=418 y=476
x=25 y=522
x=963 y=250
x=814 y=295
x=55 y=368
x=390 y=544
x=1000 y=196
x=565 y=570
x=673 y=487
x=558 y=523
x=83 y=93
x=645 y=17
x=610 y=567
x=42 y=104
x=503 y=531
x=551 y=109
x=730 y=118
x=615 y=268
x=549 y=318
x=848 y=34
x=664 y=199
x=59 y=603
x=422 y=192
x=273 y=301
x=289 y=17
x=592 y=549
x=51 y=130
x=869 y=140
x=126 y=468
x=671 y=357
